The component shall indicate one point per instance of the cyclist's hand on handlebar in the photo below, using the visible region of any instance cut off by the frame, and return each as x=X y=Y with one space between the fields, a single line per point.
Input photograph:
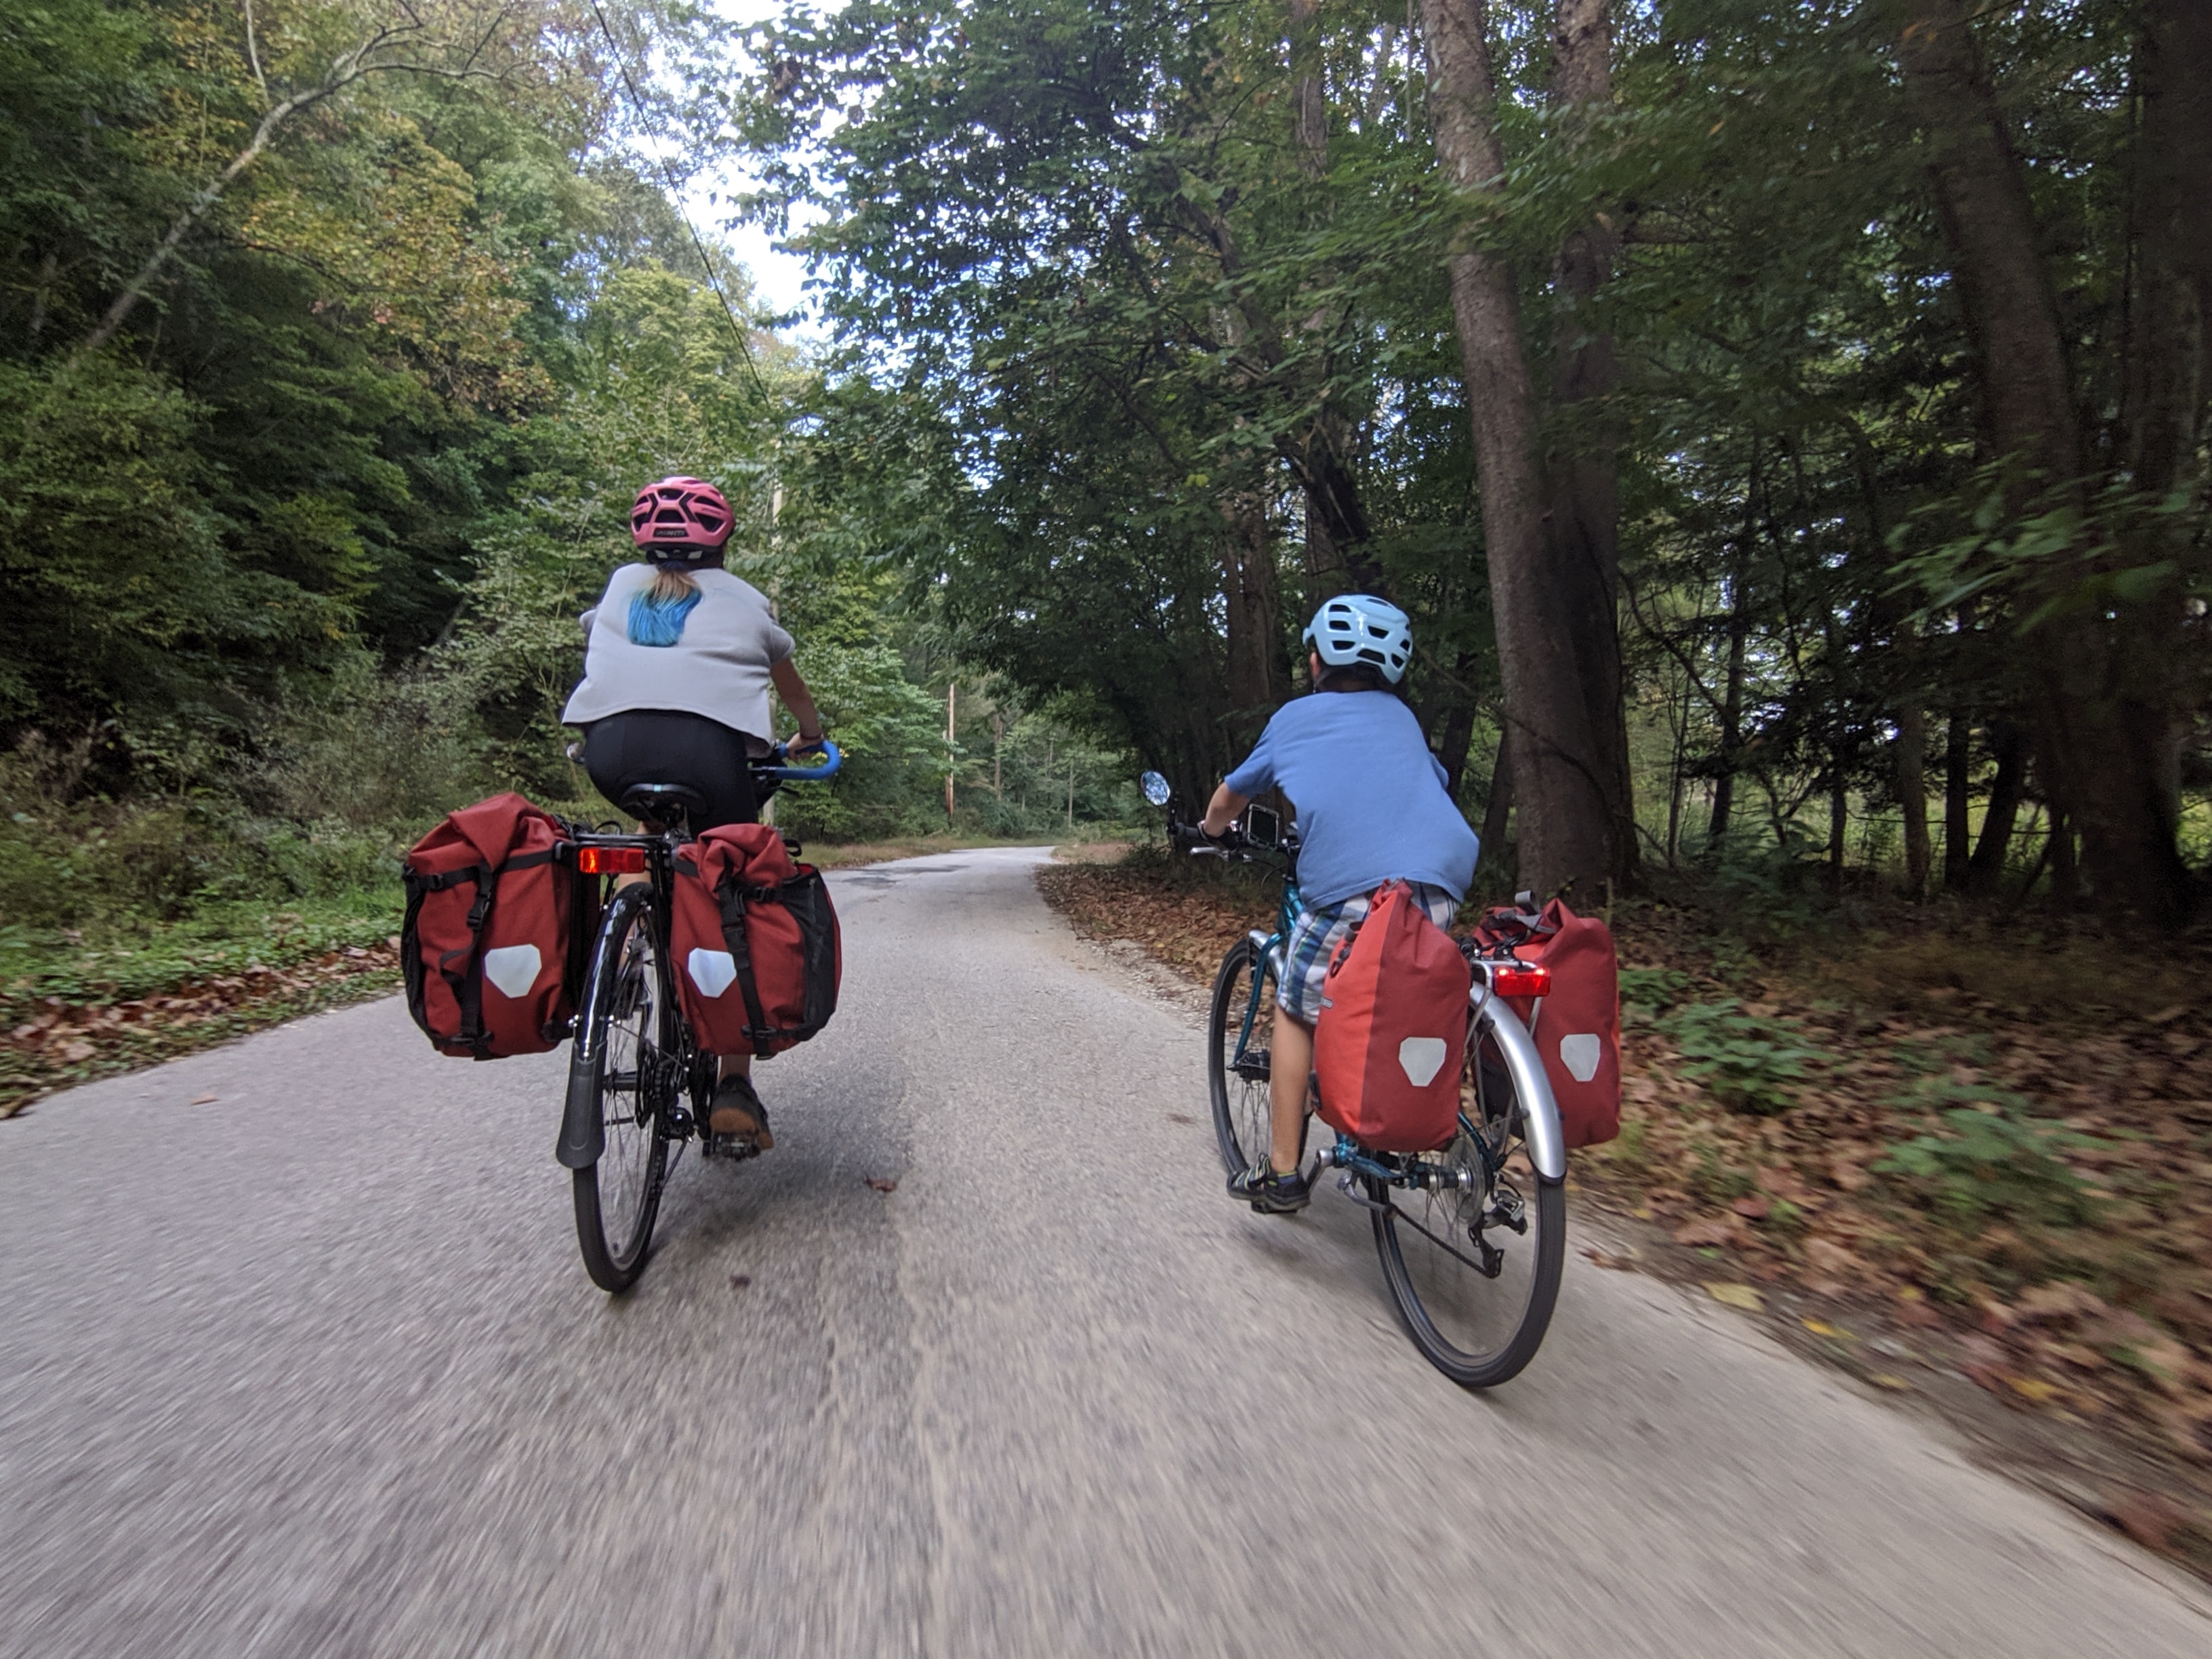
x=803 y=745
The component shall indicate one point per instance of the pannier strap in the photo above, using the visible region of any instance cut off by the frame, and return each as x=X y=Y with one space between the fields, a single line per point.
x=739 y=938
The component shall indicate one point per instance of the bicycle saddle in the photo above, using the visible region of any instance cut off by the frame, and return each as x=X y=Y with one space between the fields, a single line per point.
x=668 y=805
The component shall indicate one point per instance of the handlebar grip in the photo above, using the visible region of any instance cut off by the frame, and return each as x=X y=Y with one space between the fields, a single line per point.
x=804 y=773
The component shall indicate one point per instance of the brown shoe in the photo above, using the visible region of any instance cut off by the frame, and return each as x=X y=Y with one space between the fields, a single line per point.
x=737 y=1111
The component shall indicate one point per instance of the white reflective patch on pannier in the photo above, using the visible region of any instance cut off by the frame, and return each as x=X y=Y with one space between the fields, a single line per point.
x=512 y=968
x=1422 y=1057
x=712 y=971
x=1580 y=1054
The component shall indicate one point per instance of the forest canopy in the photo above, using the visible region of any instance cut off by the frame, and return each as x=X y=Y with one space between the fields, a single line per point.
x=1783 y=423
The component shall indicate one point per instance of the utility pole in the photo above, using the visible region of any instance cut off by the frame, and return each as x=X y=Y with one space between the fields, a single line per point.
x=951 y=694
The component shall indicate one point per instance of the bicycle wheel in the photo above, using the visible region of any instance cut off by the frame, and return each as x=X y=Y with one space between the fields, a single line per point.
x=636 y=1069
x=1473 y=1261
x=1241 y=1112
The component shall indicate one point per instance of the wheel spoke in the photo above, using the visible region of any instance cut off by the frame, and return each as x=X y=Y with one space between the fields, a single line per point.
x=617 y=1198
x=1476 y=1292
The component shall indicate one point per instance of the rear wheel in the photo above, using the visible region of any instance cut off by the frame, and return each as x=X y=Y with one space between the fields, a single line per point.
x=1473 y=1257
x=1237 y=1057
x=636 y=1072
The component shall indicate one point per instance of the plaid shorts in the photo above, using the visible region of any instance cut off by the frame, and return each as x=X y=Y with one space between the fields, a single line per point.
x=1315 y=935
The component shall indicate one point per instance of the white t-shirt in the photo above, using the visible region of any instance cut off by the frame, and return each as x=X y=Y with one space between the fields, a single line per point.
x=718 y=669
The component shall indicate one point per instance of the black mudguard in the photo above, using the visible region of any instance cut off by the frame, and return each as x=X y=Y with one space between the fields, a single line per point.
x=583 y=1137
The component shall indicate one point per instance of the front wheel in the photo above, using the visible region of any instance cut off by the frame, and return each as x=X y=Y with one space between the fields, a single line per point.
x=630 y=1047
x=1473 y=1259
x=1238 y=1035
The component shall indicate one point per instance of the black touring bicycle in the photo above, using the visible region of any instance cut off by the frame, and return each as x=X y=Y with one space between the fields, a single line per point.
x=639 y=1084
x=1473 y=1237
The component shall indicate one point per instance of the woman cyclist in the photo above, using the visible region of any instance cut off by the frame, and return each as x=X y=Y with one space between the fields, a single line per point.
x=678 y=659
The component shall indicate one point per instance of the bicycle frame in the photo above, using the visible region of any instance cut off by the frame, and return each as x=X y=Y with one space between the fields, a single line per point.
x=583 y=1138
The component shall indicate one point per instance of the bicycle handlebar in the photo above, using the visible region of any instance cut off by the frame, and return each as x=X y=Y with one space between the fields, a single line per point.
x=772 y=767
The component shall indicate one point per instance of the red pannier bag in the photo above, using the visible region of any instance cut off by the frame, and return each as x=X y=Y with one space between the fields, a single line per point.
x=1392 y=1037
x=757 y=955
x=1577 y=1026
x=495 y=915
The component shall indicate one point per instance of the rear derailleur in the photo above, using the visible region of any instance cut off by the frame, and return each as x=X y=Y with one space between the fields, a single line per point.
x=1506 y=1208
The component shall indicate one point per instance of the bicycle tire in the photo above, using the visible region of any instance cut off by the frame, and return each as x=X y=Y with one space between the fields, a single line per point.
x=617 y=1198
x=1241 y=1108
x=1445 y=1301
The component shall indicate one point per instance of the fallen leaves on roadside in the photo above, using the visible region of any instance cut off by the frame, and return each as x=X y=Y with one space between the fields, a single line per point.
x=1619 y=1264
x=884 y=1184
x=1737 y=1296
x=204 y=1100
x=55 y=1041
x=1707 y=1230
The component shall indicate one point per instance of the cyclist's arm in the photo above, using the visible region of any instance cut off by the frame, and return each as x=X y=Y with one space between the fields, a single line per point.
x=1221 y=812
x=800 y=701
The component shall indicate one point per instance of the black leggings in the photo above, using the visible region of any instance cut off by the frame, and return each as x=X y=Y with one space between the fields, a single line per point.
x=664 y=745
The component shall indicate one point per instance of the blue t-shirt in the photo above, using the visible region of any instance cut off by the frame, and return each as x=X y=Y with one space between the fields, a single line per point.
x=1371 y=801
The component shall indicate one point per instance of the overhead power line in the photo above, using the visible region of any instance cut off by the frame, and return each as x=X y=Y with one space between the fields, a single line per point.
x=647 y=122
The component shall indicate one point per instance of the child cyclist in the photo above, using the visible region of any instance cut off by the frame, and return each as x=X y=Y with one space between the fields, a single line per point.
x=1372 y=808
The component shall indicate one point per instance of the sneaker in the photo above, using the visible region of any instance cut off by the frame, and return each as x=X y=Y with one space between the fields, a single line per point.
x=1271 y=1193
x=737 y=1110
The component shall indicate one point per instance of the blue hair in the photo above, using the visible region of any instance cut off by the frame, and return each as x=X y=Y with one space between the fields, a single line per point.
x=657 y=614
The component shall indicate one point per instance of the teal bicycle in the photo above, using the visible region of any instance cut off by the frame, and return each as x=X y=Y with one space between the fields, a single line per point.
x=1472 y=1237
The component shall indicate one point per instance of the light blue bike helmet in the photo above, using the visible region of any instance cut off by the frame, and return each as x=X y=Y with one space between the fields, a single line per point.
x=1355 y=628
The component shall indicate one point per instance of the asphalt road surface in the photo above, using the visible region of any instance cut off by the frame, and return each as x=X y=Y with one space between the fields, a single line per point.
x=314 y=1368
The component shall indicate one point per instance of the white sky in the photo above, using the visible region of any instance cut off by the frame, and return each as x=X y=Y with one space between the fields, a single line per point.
x=776 y=275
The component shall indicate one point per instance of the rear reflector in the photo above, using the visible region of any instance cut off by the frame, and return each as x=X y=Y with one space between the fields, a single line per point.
x=1521 y=979
x=611 y=860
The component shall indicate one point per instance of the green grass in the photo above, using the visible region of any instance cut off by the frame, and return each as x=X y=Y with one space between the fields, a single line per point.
x=124 y=959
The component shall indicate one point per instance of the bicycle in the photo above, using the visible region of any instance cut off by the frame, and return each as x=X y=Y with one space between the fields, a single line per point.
x=638 y=1084
x=1479 y=1317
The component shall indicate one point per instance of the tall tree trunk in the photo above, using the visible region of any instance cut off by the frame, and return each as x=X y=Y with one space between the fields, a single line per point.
x=1582 y=485
x=1839 y=820
x=1251 y=600
x=1309 y=97
x=1986 y=867
x=1739 y=631
x=1911 y=787
x=2166 y=351
x=1458 y=735
x=2098 y=678
x=1500 y=803
x=1337 y=532
x=1558 y=780
x=1958 y=800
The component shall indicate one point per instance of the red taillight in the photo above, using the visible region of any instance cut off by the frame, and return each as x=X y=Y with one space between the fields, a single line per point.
x=1521 y=979
x=611 y=860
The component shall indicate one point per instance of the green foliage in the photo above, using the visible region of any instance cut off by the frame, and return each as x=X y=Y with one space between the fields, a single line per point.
x=1984 y=1160
x=1749 y=1063
x=1652 y=990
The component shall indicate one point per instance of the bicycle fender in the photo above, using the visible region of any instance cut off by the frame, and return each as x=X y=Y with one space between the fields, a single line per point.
x=1547 y=1141
x=583 y=1137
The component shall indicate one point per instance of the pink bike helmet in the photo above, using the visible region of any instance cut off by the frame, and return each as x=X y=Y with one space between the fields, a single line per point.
x=679 y=517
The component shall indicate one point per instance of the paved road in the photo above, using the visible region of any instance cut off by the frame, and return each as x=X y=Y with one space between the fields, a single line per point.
x=313 y=1369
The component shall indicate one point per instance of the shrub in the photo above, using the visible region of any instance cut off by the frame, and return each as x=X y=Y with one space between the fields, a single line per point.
x=1749 y=1064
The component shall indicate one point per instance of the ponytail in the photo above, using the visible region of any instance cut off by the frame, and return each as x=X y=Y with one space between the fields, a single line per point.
x=658 y=612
